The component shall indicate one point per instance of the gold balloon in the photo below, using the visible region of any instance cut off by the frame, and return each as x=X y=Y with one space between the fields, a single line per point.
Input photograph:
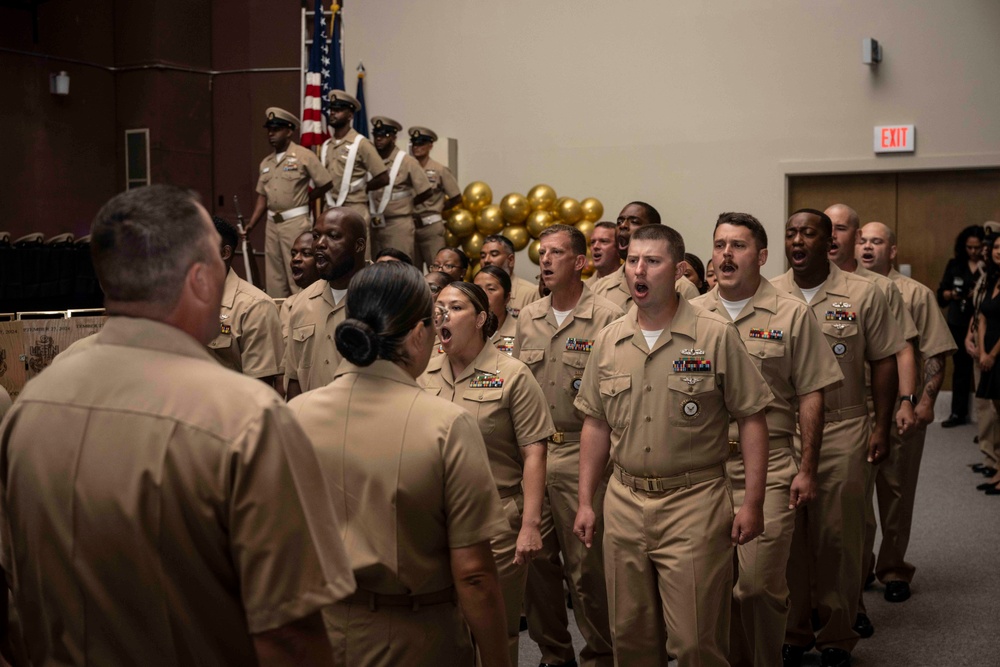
x=570 y=211
x=533 y=250
x=461 y=223
x=515 y=208
x=450 y=239
x=473 y=245
x=538 y=221
x=518 y=235
x=592 y=209
x=490 y=220
x=585 y=226
x=477 y=196
x=471 y=272
x=541 y=197
x=555 y=206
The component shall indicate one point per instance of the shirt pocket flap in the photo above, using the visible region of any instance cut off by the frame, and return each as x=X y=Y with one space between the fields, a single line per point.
x=576 y=359
x=840 y=329
x=532 y=356
x=691 y=383
x=484 y=395
x=765 y=349
x=303 y=333
x=616 y=384
x=222 y=341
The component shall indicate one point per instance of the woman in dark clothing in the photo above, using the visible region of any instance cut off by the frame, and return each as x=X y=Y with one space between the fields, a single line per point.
x=960 y=275
x=987 y=333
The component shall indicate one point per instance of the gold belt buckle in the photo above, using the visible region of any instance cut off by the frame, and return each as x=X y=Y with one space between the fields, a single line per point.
x=734 y=447
x=559 y=437
x=650 y=484
x=277 y=217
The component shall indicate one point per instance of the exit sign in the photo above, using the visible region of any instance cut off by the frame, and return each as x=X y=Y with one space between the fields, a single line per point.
x=894 y=138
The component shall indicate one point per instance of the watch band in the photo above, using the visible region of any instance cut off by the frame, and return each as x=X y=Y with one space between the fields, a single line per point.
x=909 y=397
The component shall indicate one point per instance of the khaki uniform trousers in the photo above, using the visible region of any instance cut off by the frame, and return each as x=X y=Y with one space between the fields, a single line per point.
x=825 y=564
x=512 y=577
x=760 y=596
x=896 y=488
x=430 y=636
x=278 y=240
x=428 y=241
x=582 y=569
x=988 y=424
x=395 y=232
x=669 y=567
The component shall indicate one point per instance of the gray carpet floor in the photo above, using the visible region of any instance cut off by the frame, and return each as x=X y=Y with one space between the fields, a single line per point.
x=953 y=617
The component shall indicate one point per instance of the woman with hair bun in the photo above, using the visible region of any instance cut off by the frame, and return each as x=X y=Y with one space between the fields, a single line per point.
x=410 y=483
x=496 y=283
x=509 y=406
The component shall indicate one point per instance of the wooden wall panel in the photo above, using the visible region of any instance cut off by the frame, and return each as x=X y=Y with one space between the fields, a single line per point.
x=873 y=196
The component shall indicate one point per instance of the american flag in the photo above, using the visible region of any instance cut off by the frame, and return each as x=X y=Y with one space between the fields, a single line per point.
x=316 y=108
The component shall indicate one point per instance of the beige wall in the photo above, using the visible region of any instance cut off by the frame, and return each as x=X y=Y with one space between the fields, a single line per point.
x=696 y=107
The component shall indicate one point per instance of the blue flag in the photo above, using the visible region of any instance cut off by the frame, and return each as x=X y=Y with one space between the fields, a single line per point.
x=361 y=117
x=337 y=47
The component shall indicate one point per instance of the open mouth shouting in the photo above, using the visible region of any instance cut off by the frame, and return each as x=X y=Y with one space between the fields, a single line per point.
x=727 y=268
x=640 y=289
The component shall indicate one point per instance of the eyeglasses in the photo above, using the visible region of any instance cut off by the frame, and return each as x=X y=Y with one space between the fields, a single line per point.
x=427 y=321
x=440 y=315
x=438 y=267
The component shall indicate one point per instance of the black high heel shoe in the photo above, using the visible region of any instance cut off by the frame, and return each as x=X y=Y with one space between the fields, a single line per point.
x=986 y=486
x=993 y=490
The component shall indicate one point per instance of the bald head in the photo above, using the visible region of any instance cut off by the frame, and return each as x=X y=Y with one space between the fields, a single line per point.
x=845 y=215
x=845 y=236
x=877 y=249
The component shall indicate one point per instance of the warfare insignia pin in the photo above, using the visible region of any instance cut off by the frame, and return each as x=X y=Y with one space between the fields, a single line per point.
x=691 y=381
x=692 y=352
x=841 y=304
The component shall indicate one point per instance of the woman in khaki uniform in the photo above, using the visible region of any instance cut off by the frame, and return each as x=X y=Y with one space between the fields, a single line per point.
x=409 y=480
x=510 y=408
x=496 y=283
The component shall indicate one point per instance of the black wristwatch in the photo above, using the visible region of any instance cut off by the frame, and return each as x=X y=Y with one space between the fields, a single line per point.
x=909 y=397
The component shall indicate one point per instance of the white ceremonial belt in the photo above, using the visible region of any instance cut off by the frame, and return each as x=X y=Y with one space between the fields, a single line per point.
x=358 y=184
x=431 y=218
x=405 y=193
x=287 y=215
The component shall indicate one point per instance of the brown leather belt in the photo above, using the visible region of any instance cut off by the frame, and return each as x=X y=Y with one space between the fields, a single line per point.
x=657 y=484
x=772 y=444
x=509 y=491
x=845 y=413
x=376 y=600
x=562 y=437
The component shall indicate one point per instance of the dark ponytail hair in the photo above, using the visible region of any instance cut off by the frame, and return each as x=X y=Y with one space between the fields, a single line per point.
x=384 y=302
x=480 y=303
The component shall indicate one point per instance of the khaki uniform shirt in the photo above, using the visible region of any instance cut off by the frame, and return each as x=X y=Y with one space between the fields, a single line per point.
x=286 y=183
x=785 y=341
x=509 y=407
x=443 y=184
x=933 y=335
x=311 y=355
x=504 y=338
x=410 y=181
x=407 y=474
x=249 y=339
x=669 y=407
x=141 y=523
x=855 y=318
x=367 y=160
x=614 y=288
x=557 y=355
x=5 y=401
x=285 y=313
x=894 y=297
x=522 y=292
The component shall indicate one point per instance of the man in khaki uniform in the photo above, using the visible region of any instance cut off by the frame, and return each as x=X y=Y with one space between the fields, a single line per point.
x=249 y=339
x=554 y=337
x=896 y=481
x=786 y=343
x=658 y=394
x=283 y=194
x=311 y=356
x=350 y=159
x=498 y=251
x=139 y=515
x=428 y=216
x=392 y=206
x=825 y=566
x=603 y=251
x=303 y=266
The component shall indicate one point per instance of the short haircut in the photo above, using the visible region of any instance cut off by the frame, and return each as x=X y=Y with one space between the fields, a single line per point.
x=143 y=242
x=502 y=277
x=395 y=254
x=824 y=219
x=651 y=213
x=463 y=259
x=748 y=221
x=662 y=233
x=853 y=218
x=606 y=224
x=500 y=238
x=230 y=237
x=577 y=241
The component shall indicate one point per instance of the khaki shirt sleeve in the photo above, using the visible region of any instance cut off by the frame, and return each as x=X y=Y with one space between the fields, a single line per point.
x=370 y=158
x=260 y=181
x=899 y=312
x=449 y=184
x=743 y=387
x=317 y=172
x=935 y=337
x=474 y=513
x=814 y=366
x=883 y=337
x=529 y=410
x=286 y=546
x=588 y=399
x=261 y=347
x=686 y=288
x=418 y=177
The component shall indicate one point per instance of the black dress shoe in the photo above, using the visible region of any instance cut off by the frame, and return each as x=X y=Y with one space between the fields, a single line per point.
x=992 y=491
x=988 y=471
x=975 y=440
x=571 y=663
x=985 y=485
x=791 y=656
x=863 y=626
x=523 y=625
x=897 y=591
x=977 y=467
x=835 y=657
x=869 y=580
x=952 y=421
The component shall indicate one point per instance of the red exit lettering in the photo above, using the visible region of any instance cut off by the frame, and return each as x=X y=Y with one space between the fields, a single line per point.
x=894 y=137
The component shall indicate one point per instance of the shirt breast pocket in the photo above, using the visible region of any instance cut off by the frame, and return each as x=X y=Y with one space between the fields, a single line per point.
x=487 y=404
x=691 y=398
x=843 y=338
x=293 y=174
x=767 y=354
x=616 y=395
x=221 y=342
x=303 y=339
x=532 y=357
x=574 y=364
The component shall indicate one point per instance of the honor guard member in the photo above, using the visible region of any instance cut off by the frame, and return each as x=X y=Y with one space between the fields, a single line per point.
x=825 y=567
x=498 y=251
x=496 y=283
x=283 y=194
x=428 y=216
x=613 y=287
x=392 y=207
x=554 y=337
x=786 y=343
x=896 y=479
x=139 y=514
x=409 y=479
x=249 y=339
x=311 y=358
x=351 y=159
x=603 y=251
x=512 y=414
x=658 y=393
